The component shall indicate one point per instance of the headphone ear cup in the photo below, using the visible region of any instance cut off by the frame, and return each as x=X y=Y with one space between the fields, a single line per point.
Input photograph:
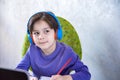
x=59 y=33
x=30 y=39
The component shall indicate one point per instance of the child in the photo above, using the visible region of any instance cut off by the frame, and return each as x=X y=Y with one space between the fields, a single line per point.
x=48 y=57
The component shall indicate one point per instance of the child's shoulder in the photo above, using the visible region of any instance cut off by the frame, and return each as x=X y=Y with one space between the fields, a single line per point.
x=65 y=47
x=62 y=44
x=67 y=50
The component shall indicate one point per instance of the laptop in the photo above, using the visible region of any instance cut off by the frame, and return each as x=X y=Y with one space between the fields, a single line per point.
x=13 y=74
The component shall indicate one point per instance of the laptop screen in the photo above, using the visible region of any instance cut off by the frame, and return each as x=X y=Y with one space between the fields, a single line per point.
x=10 y=74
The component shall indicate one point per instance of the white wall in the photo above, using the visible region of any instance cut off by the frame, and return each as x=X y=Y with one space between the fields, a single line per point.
x=96 y=21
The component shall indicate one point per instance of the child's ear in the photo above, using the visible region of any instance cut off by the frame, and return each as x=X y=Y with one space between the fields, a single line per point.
x=32 y=37
x=55 y=35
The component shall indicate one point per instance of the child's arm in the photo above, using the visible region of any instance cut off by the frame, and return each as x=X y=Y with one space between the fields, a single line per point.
x=25 y=63
x=81 y=70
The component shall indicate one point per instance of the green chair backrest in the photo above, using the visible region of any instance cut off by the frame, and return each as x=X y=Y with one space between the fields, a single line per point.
x=70 y=38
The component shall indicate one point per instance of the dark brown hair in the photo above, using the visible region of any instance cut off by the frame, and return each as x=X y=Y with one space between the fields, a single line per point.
x=42 y=16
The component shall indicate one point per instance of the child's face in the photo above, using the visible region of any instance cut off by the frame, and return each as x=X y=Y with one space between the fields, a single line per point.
x=43 y=35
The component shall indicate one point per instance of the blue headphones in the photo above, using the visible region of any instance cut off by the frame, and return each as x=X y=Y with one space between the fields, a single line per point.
x=59 y=31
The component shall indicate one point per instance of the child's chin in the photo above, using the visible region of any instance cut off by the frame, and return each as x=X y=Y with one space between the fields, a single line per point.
x=42 y=46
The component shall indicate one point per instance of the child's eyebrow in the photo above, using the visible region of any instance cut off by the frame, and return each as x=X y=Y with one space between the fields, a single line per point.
x=42 y=29
x=47 y=28
x=35 y=30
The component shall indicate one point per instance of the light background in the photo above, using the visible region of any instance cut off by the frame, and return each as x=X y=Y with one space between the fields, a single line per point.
x=97 y=23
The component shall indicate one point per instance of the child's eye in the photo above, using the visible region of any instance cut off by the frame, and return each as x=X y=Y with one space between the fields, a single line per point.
x=36 y=33
x=46 y=31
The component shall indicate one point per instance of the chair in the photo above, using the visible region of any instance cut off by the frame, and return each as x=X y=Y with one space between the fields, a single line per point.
x=70 y=37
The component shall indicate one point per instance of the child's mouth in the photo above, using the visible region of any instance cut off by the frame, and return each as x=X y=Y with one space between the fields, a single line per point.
x=43 y=42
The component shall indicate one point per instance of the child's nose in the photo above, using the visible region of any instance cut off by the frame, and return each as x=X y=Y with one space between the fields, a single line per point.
x=41 y=36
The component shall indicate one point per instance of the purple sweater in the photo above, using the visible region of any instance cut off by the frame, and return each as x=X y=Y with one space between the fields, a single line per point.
x=47 y=65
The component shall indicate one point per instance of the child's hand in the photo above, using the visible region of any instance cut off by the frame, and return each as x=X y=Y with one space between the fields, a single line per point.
x=60 y=77
x=33 y=78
